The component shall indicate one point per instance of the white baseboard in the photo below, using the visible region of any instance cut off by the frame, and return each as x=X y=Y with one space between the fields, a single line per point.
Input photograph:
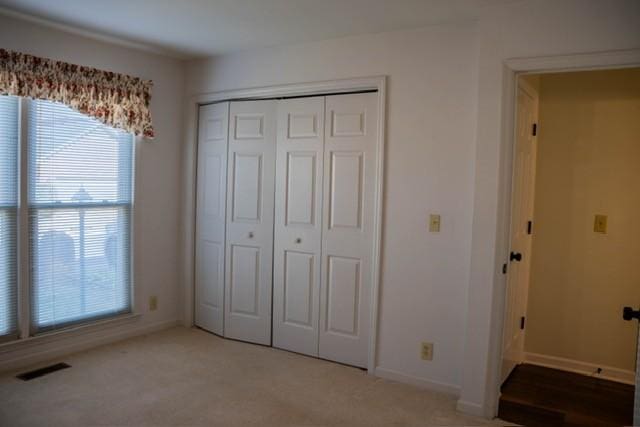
x=18 y=354
x=440 y=387
x=585 y=368
x=470 y=408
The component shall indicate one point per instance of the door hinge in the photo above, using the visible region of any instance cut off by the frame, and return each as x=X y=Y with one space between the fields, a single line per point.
x=504 y=268
x=522 y=320
x=534 y=131
x=529 y=227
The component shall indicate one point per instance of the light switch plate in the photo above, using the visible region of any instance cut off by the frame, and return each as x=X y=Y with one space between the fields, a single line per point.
x=434 y=223
x=426 y=351
x=600 y=224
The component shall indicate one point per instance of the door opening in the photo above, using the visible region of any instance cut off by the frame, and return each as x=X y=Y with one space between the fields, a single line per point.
x=286 y=223
x=568 y=353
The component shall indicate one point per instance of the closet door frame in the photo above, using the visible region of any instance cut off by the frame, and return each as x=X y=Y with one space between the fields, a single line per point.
x=331 y=87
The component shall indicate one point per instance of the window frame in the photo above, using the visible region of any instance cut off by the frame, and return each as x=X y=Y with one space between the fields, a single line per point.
x=26 y=328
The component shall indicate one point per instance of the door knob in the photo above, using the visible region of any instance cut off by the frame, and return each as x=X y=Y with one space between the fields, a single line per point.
x=298 y=240
x=515 y=256
x=251 y=234
x=629 y=313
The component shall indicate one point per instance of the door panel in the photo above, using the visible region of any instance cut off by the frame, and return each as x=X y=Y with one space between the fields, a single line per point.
x=301 y=192
x=247 y=187
x=212 y=267
x=348 y=227
x=210 y=216
x=298 y=288
x=248 y=126
x=521 y=214
x=345 y=205
x=298 y=226
x=249 y=246
x=343 y=289
x=245 y=280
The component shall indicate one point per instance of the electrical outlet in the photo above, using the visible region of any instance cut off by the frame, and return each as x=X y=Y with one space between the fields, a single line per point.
x=426 y=351
x=153 y=303
x=434 y=223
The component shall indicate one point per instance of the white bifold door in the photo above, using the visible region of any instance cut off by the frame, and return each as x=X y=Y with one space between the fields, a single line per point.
x=210 y=216
x=250 y=189
x=324 y=225
x=296 y=180
x=298 y=224
x=350 y=162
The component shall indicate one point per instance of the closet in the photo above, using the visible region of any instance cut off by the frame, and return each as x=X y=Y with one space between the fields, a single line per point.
x=285 y=223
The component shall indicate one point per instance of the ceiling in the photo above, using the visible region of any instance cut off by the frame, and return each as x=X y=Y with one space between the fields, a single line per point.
x=198 y=28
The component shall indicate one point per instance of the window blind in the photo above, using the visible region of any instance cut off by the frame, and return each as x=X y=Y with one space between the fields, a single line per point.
x=8 y=214
x=80 y=198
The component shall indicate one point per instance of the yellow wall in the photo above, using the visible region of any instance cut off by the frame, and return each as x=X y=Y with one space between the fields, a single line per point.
x=588 y=163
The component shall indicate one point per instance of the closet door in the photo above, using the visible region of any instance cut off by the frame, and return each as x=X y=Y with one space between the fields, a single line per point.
x=298 y=224
x=249 y=261
x=351 y=123
x=211 y=182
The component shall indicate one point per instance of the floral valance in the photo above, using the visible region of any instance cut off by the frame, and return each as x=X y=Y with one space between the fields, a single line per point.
x=115 y=99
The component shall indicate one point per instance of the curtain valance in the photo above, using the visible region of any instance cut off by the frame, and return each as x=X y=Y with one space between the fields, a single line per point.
x=115 y=99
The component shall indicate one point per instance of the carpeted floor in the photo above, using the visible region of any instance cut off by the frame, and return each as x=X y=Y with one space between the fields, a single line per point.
x=189 y=377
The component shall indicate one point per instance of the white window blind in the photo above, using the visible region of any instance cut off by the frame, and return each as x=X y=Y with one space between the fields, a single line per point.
x=8 y=215
x=80 y=195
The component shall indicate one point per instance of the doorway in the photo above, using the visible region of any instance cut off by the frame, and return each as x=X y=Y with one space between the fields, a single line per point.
x=568 y=356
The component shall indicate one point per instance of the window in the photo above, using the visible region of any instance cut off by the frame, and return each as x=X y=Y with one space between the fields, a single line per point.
x=78 y=200
x=8 y=215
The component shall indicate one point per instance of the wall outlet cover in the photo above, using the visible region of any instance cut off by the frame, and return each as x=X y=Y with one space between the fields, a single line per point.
x=153 y=303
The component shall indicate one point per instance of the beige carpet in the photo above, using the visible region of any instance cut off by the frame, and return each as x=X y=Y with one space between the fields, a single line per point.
x=189 y=377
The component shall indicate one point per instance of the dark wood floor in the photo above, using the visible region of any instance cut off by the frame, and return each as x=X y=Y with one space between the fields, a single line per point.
x=536 y=396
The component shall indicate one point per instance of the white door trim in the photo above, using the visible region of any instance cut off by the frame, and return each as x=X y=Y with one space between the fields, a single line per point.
x=187 y=231
x=488 y=407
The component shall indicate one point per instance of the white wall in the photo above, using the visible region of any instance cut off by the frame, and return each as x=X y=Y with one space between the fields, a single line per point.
x=157 y=175
x=521 y=29
x=429 y=168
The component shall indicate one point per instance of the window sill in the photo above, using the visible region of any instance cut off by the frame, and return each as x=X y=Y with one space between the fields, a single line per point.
x=68 y=332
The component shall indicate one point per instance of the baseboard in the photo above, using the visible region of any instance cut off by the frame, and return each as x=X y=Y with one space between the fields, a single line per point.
x=470 y=408
x=585 y=368
x=390 y=374
x=20 y=356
